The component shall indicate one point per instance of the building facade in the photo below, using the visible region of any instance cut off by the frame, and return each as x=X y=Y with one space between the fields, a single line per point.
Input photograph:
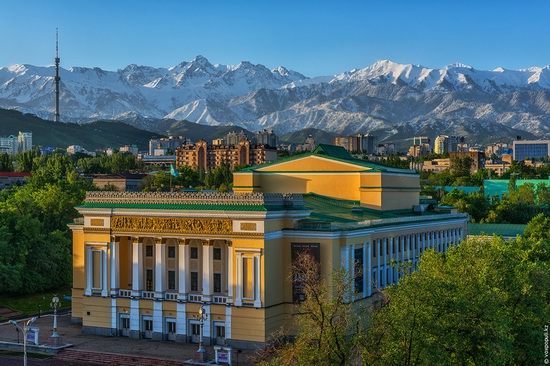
x=143 y=263
x=161 y=146
x=204 y=156
x=530 y=149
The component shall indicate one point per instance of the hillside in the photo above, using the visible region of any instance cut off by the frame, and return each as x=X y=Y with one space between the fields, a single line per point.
x=91 y=135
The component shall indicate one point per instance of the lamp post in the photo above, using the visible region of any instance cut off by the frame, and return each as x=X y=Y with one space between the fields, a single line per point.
x=24 y=330
x=200 y=355
x=54 y=305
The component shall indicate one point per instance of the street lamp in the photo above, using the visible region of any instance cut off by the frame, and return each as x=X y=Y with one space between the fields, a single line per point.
x=54 y=305
x=201 y=352
x=24 y=330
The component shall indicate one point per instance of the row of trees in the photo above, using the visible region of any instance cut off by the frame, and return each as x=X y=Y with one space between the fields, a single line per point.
x=35 y=244
x=482 y=302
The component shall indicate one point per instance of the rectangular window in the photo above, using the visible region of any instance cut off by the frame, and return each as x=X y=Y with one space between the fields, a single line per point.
x=358 y=256
x=171 y=280
x=194 y=253
x=171 y=252
x=248 y=278
x=148 y=250
x=220 y=332
x=217 y=282
x=149 y=280
x=217 y=254
x=194 y=281
x=97 y=269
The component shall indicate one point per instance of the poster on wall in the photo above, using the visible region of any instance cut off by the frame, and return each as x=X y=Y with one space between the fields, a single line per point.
x=314 y=249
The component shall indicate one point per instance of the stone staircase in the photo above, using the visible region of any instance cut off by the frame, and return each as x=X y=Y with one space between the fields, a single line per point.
x=81 y=357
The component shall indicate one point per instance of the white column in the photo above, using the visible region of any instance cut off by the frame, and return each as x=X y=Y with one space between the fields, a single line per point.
x=365 y=269
x=157 y=317
x=115 y=266
x=89 y=271
x=369 y=269
x=230 y=274
x=114 y=315
x=134 y=315
x=183 y=268
x=350 y=249
x=239 y=287
x=207 y=270
x=104 y=273
x=137 y=266
x=257 y=281
x=181 y=320
x=228 y=322
x=206 y=325
x=160 y=269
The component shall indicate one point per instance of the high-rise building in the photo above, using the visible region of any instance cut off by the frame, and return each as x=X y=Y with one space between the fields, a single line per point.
x=9 y=144
x=445 y=144
x=265 y=137
x=161 y=146
x=530 y=149
x=233 y=138
x=24 y=140
x=420 y=140
x=363 y=143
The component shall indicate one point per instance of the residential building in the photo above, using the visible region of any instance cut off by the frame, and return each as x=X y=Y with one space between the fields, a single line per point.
x=265 y=137
x=144 y=263
x=420 y=140
x=233 y=138
x=73 y=149
x=362 y=143
x=309 y=145
x=9 y=144
x=206 y=156
x=421 y=150
x=436 y=165
x=445 y=144
x=24 y=140
x=133 y=149
x=166 y=145
x=530 y=149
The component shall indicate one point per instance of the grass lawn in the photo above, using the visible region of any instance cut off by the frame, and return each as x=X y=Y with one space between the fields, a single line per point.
x=32 y=304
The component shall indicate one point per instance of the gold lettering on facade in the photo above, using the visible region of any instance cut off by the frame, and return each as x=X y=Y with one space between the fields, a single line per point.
x=171 y=224
x=248 y=226
x=97 y=222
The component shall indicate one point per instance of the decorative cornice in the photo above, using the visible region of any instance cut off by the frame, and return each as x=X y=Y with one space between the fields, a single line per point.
x=199 y=199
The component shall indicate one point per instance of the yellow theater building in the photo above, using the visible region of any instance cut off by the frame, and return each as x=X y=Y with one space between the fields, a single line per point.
x=145 y=262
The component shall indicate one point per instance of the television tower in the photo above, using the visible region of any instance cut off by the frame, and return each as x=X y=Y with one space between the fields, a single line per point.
x=57 y=78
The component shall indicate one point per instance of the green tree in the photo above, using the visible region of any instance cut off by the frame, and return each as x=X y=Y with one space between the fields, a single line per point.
x=483 y=302
x=326 y=319
x=6 y=163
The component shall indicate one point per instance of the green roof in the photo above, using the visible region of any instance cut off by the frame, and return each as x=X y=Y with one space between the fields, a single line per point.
x=336 y=153
x=505 y=230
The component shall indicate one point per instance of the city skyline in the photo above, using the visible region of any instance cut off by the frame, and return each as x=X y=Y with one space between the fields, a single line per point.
x=326 y=39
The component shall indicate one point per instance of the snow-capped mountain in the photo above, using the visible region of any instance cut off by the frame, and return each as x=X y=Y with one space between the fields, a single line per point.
x=394 y=100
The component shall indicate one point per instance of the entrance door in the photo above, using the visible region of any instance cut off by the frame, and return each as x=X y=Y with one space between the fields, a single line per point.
x=195 y=331
x=124 y=325
x=219 y=333
x=147 y=326
x=170 y=329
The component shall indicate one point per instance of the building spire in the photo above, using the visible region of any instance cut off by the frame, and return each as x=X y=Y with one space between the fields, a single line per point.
x=57 y=78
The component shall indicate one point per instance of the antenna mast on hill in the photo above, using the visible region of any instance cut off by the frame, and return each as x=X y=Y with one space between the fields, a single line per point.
x=57 y=78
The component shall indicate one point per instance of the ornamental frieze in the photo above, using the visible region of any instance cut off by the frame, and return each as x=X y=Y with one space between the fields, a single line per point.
x=171 y=225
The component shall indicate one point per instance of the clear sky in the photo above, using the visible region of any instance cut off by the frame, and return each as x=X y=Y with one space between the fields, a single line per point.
x=312 y=37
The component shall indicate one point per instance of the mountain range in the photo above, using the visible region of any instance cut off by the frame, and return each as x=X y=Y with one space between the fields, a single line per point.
x=394 y=101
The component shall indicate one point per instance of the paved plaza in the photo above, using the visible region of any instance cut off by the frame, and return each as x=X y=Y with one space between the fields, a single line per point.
x=147 y=349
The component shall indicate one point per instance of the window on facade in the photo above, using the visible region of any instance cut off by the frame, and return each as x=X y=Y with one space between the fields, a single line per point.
x=96 y=270
x=194 y=281
x=171 y=280
x=220 y=332
x=148 y=250
x=358 y=256
x=194 y=253
x=218 y=254
x=148 y=325
x=248 y=278
x=171 y=252
x=149 y=280
x=217 y=282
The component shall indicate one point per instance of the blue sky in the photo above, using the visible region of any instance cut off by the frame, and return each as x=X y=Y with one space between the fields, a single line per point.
x=312 y=37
